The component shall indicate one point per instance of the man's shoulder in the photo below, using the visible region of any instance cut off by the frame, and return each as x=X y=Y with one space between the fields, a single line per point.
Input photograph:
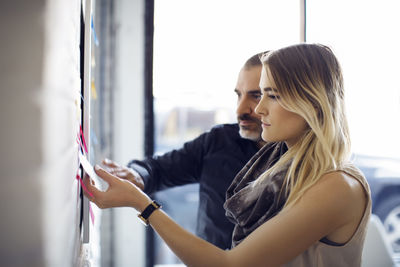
x=227 y=128
x=221 y=135
x=228 y=135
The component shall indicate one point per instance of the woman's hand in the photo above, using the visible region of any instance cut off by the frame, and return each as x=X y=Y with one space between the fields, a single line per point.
x=120 y=192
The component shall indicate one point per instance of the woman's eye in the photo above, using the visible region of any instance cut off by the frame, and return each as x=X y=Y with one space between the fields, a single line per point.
x=273 y=96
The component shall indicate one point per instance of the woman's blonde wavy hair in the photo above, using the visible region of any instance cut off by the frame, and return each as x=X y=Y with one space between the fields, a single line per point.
x=309 y=81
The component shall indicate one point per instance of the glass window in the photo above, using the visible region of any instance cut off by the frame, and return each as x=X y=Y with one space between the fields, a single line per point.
x=199 y=48
x=365 y=37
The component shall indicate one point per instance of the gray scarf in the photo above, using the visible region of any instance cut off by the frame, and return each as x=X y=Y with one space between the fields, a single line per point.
x=249 y=207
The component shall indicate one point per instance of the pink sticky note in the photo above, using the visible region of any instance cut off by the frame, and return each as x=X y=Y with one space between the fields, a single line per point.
x=91 y=213
x=83 y=140
x=83 y=185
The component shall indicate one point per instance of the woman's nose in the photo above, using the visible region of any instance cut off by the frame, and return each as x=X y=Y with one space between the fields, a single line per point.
x=260 y=109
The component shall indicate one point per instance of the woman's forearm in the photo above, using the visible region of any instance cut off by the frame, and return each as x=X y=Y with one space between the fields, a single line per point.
x=192 y=250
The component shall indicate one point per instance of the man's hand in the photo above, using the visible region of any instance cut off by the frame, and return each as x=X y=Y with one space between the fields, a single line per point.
x=123 y=172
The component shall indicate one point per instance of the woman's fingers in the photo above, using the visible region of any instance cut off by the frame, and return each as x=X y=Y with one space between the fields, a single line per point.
x=120 y=193
x=103 y=174
x=96 y=196
x=89 y=190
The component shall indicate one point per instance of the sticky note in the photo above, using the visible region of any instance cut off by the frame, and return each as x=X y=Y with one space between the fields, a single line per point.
x=88 y=167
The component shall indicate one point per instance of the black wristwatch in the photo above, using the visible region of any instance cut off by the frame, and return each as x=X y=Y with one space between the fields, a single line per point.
x=144 y=216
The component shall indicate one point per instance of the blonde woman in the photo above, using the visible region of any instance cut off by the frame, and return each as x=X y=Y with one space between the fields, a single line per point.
x=308 y=208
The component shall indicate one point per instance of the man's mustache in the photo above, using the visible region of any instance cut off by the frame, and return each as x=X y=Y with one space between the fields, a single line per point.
x=247 y=117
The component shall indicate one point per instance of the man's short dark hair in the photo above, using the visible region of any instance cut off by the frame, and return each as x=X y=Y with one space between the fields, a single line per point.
x=254 y=61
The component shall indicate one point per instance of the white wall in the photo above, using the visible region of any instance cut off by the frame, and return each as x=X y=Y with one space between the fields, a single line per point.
x=39 y=115
x=128 y=122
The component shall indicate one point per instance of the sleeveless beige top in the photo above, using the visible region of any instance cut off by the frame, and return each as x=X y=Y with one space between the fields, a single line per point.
x=347 y=255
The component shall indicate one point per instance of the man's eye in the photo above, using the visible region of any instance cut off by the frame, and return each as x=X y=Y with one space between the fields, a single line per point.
x=257 y=96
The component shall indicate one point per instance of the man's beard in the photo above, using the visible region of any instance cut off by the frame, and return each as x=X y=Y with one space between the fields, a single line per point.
x=253 y=132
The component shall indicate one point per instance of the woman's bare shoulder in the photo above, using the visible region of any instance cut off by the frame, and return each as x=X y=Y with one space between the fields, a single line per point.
x=341 y=183
x=343 y=193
